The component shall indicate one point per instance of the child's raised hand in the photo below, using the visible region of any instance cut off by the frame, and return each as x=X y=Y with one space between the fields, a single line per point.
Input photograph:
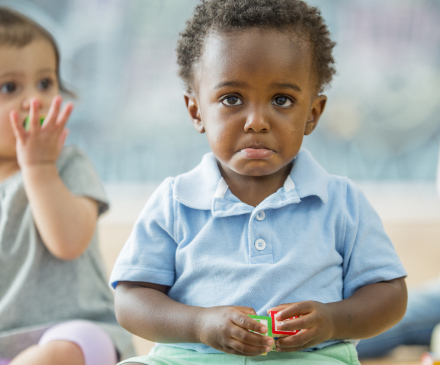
x=315 y=322
x=227 y=329
x=41 y=144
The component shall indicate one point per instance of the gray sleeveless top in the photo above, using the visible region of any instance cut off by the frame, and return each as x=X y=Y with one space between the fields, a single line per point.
x=38 y=290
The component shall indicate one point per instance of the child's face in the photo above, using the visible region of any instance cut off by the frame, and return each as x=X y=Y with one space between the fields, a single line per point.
x=255 y=97
x=25 y=72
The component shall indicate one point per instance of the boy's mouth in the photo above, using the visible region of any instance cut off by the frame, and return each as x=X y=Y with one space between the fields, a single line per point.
x=257 y=151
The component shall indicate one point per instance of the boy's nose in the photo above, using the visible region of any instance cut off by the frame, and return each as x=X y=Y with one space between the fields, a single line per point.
x=257 y=121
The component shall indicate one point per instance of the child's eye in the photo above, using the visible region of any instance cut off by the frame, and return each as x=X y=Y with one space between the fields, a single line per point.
x=232 y=100
x=282 y=101
x=8 y=88
x=45 y=84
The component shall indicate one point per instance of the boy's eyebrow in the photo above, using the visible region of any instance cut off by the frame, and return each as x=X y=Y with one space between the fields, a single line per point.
x=274 y=85
x=230 y=83
x=286 y=85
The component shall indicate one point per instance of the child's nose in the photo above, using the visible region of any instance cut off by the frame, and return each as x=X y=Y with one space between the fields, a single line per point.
x=26 y=103
x=257 y=121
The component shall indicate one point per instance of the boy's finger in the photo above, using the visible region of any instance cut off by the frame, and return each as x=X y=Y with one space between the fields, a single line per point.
x=64 y=116
x=251 y=338
x=54 y=110
x=34 y=120
x=17 y=127
x=301 y=341
x=303 y=322
x=294 y=310
x=277 y=308
x=240 y=348
x=246 y=322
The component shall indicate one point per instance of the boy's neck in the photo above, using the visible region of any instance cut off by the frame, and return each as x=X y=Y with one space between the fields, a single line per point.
x=252 y=190
x=8 y=167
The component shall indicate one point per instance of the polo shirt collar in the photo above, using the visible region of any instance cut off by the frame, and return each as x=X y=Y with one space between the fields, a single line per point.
x=196 y=188
x=201 y=187
x=309 y=176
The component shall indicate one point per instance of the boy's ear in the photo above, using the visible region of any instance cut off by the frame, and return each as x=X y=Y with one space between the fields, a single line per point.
x=194 y=112
x=318 y=106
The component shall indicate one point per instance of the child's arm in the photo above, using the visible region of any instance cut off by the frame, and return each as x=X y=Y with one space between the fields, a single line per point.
x=145 y=310
x=65 y=222
x=369 y=311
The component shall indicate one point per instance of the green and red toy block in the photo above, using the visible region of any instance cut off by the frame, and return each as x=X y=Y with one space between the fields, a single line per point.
x=271 y=323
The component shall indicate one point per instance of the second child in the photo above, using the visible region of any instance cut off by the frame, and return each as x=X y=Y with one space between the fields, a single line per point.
x=55 y=305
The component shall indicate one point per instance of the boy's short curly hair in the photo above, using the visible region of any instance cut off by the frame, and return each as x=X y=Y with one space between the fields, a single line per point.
x=229 y=15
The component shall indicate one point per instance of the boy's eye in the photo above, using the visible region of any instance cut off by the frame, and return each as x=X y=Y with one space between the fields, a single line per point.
x=232 y=101
x=282 y=101
x=44 y=84
x=8 y=88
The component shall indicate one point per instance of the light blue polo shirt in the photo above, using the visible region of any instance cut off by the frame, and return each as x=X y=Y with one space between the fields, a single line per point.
x=316 y=238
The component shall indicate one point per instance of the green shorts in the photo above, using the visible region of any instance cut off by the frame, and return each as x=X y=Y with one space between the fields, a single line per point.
x=339 y=354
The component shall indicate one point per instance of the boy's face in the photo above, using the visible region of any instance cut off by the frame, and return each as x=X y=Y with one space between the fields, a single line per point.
x=25 y=72
x=255 y=97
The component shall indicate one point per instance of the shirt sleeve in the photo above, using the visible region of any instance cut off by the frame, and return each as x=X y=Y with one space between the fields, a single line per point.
x=369 y=254
x=149 y=253
x=80 y=177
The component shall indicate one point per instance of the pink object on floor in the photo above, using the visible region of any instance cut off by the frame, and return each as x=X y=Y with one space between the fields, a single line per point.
x=5 y=361
x=95 y=343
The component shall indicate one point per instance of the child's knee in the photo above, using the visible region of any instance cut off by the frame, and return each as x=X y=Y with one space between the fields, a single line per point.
x=64 y=352
x=95 y=344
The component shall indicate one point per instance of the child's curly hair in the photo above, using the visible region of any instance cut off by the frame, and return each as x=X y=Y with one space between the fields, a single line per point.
x=229 y=15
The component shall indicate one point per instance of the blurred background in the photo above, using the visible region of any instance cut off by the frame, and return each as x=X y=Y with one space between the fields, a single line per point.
x=381 y=122
x=381 y=126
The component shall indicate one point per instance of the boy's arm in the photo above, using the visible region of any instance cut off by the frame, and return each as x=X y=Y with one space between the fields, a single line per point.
x=371 y=310
x=65 y=222
x=145 y=310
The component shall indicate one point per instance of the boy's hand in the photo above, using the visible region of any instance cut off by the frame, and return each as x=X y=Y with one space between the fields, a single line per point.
x=41 y=145
x=315 y=322
x=227 y=329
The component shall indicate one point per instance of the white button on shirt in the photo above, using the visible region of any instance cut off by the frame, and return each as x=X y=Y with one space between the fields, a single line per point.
x=260 y=215
x=260 y=244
